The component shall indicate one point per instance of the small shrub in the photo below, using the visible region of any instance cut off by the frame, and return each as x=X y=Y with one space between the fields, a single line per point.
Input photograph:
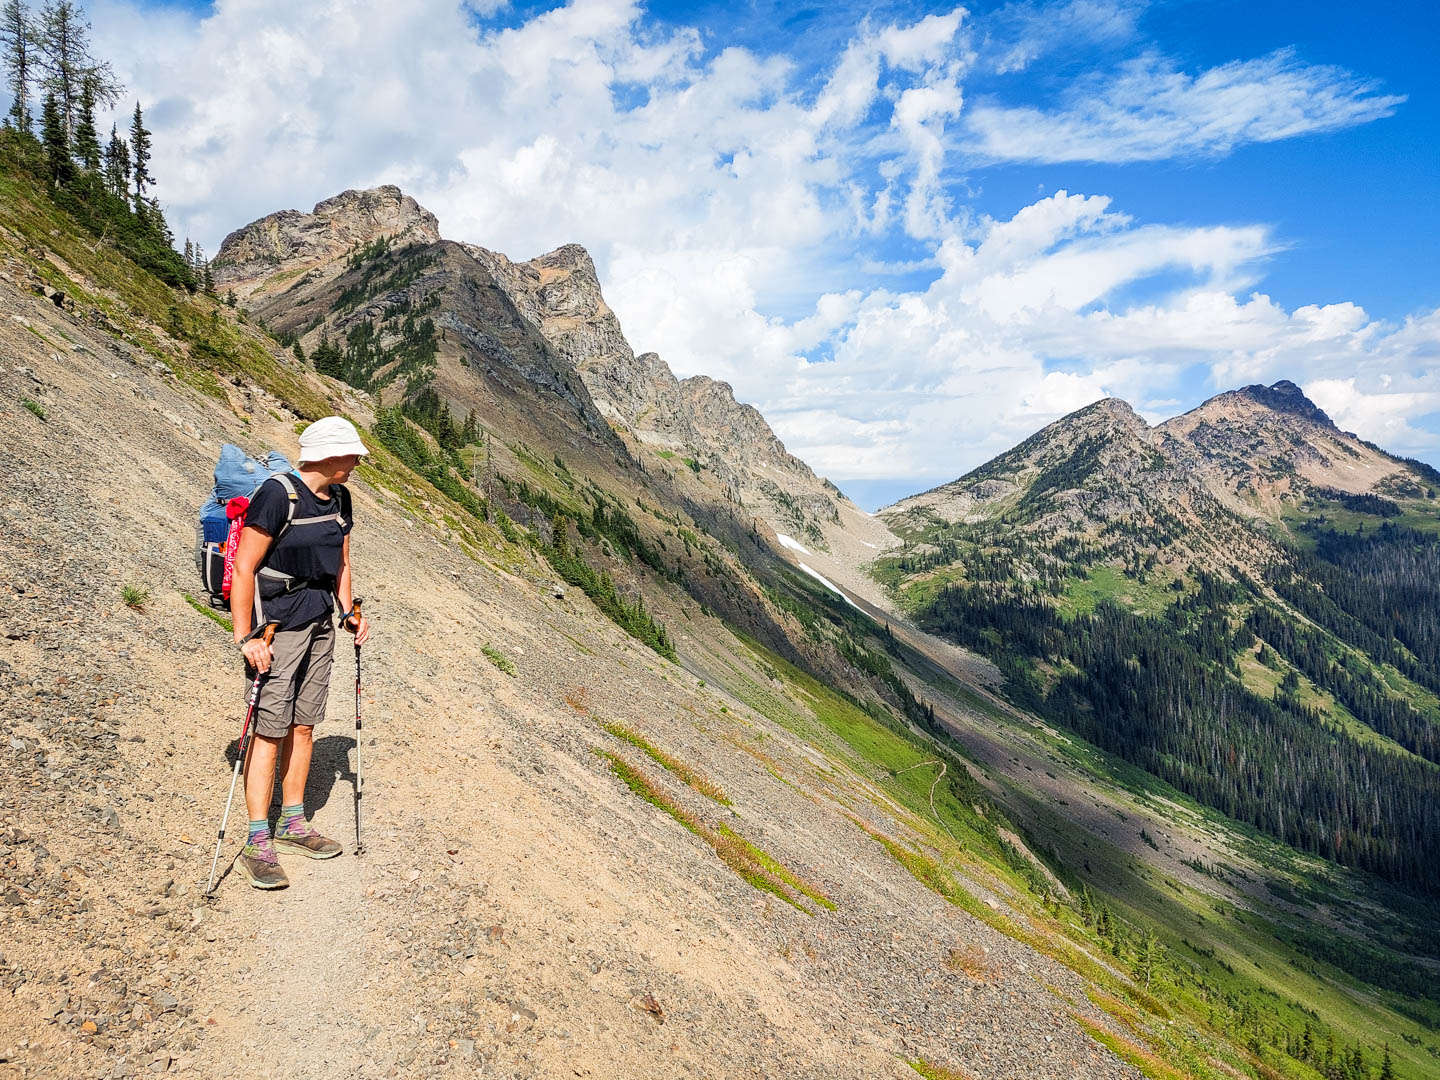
x=499 y=659
x=578 y=698
x=135 y=596
x=34 y=407
x=971 y=960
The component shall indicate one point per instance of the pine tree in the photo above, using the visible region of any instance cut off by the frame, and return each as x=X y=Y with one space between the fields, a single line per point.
x=1147 y=958
x=87 y=140
x=328 y=358
x=189 y=254
x=63 y=37
x=17 y=40
x=117 y=165
x=299 y=351
x=1387 y=1067
x=140 y=158
x=57 y=149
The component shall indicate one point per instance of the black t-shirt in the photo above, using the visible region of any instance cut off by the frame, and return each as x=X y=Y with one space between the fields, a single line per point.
x=312 y=550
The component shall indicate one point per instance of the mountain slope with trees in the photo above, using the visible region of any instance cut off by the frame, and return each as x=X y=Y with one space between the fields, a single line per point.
x=1237 y=601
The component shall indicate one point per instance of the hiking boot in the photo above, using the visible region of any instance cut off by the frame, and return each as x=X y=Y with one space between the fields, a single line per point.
x=310 y=844
x=262 y=873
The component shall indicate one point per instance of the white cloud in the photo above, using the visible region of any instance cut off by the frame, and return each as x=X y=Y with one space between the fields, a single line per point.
x=1019 y=330
x=1150 y=110
x=1020 y=33
x=1383 y=415
x=742 y=223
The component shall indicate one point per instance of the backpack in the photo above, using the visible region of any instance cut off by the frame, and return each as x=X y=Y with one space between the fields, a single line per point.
x=238 y=477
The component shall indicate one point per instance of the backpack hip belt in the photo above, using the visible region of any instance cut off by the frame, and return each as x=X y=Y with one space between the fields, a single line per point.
x=272 y=583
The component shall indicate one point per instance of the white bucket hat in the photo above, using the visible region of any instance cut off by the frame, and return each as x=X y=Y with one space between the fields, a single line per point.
x=334 y=436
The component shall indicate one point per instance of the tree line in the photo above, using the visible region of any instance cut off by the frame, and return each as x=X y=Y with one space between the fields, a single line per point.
x=107 y=185
x=1162 y=693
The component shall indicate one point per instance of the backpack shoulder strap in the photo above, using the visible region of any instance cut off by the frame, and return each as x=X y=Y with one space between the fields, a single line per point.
x=341 y=492
x=294 y=498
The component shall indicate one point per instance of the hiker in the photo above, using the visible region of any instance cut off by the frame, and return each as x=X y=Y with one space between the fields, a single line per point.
x=294 y=582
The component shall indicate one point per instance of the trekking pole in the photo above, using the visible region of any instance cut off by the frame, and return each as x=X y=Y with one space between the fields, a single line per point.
x=267 y=633
x=359 y=783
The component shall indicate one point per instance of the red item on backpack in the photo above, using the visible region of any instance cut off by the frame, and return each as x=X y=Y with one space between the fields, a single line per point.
x=234 y=510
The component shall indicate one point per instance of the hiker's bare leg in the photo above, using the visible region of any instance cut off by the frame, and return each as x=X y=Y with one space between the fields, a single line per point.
x=295 y=753
x=260 y=775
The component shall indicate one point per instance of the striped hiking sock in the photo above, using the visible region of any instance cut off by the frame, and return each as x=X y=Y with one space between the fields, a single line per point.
x=259 y=846
x=292 y=822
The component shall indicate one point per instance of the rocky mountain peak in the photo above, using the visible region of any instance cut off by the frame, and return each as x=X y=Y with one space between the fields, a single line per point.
x=1285 y=397
x=1111 y=416
x=698 y=417
x=1255 y=405
x=291 y=240
x=568 y=257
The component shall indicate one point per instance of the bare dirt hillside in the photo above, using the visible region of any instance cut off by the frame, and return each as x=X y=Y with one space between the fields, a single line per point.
x=520 y=911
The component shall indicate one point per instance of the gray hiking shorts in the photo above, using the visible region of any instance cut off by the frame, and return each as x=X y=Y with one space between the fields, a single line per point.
x=293 y=692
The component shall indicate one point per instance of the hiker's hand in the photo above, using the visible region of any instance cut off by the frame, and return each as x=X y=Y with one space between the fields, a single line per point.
x=258 y=654
x=360 y=627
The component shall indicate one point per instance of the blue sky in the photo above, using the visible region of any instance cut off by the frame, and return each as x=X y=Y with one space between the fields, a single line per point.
x=910 y=234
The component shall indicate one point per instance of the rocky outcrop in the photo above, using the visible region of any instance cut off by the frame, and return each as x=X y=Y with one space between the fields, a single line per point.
x=698 y=417
x=290 y=240
x=560 y=293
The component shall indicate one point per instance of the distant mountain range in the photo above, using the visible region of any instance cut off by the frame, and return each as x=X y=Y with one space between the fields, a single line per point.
x=1242 y=600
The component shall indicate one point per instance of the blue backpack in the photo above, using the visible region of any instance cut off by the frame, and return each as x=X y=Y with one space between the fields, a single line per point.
x=236 y=473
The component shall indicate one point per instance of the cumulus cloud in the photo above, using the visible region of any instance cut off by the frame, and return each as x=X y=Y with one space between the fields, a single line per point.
x=1150 y=110
x=751 y=218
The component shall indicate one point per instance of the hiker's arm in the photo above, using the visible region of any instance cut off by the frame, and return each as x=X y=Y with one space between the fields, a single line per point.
x=345 y=593
x=254 y=543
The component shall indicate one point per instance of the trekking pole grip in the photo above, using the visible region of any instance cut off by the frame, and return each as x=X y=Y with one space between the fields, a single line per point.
x=353 y=615
x=265 y=633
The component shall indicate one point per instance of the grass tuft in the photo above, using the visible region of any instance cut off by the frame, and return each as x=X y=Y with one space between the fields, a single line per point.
x=931 y=1071
x=1130 y=1052
x=34 y=407
x=744 y=858
x=683 y=772
x=499 y=659
x=778 y=870
x=135 y=596
x=209 y=612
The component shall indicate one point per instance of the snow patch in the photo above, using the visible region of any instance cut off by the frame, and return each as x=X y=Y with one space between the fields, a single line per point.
x=829 y=585
x=792 y=544
x=867 y=543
